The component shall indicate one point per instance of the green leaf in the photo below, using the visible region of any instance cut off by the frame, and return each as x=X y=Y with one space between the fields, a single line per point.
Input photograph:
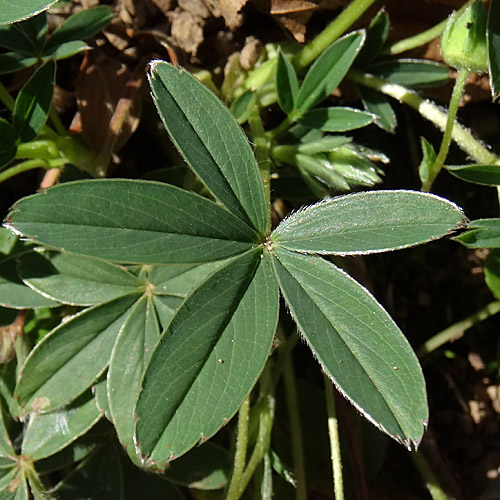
x=15 y=294
x=323 y=145
x=336 y=119
x=411 y=72
x=487 y=175
x=328 y=70
x=99 y=477
x=66 y=50
x=205 y=467
x=70 y=358
x=49 y=433
x=357 y=344
x=131 y=221
x=131 y=353
x=100 y=390
x=75 y=280
x=212 y=143
x=493 y=42
x=25 y=37
x=11 y=62
x=8 y=139
x=287 y=84
x=376 y=36
x=16 y=10
x=242 y=107
x=6 y=449
x=7 y=476
x=492 y=272
x=80 y=26
x=378 y=105
x=482 y=233
x=369 y=222
x=33 y=102
x=208 y=359
x=428 y=160
x=17 y=490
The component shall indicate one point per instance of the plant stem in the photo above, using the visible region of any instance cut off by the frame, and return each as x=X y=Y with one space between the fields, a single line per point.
x=263 y=160
x=292 y=403
x=22 y=167
x=458 y=90
x=240 y=455
x=457 y=330
x=336 y=28
x=465 y=140
x=431 y=482
x=56 y=121
x=6 y=98
x=422 y=38
x=333 y=432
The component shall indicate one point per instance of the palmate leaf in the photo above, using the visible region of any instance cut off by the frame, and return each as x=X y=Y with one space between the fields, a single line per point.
x=212 y=143
x=369 y=222
x=208 y=359
x=357 y=344
x=130 y=221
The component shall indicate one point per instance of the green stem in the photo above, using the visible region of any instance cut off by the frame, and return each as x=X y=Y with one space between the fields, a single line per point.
x=335 y=29
x=333 y=432
x=262 y=155
x=293 y=406
x=240 y=455
x=23 y=167
x=426 y=36
x=428 y=476
x=263 y=442
x=6 y=98
x=465 y=140
x=436 y=167
x=457 y=330
x=56 y=121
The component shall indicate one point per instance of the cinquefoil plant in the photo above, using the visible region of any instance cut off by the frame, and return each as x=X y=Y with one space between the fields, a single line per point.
x=174 y=378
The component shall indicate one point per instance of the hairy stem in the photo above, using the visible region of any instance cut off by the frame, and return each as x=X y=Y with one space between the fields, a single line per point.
x=241 y=449
x=457 y=330
x=436 y=167
x=333 y=432
x=295 y=430
x=465 y=140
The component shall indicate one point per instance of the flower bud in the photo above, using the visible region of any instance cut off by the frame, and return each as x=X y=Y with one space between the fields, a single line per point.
x=464 y=39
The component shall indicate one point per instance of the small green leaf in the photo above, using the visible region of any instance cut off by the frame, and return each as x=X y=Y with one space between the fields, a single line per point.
x=329 y=70
x=7 y=476
x=70 y=358
x=205 y=467
x=376 y=36
x=287 y=84
x=378 y=105
x=357 y=344
x=369 y=222
x=482 y=233
x=100 y=390
x=8 y=140
x=208 y=359
x=6 y=449
x=15 y=294
x=18 y=489
x=487 y=175
x=131 y=353
x=49 y=433
x=336 y=119
x=492 y=272
x=242 y=107
x=33 y=102
x=66 y=50
x=323 y=145
x=80 y=26
x=75 y=280
x=428 y=160
x=212 y=143
x=99 y=477
x=16 y=10
x=131 y=221
x=493 y=42
x=411 y=72
x=11 y=62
